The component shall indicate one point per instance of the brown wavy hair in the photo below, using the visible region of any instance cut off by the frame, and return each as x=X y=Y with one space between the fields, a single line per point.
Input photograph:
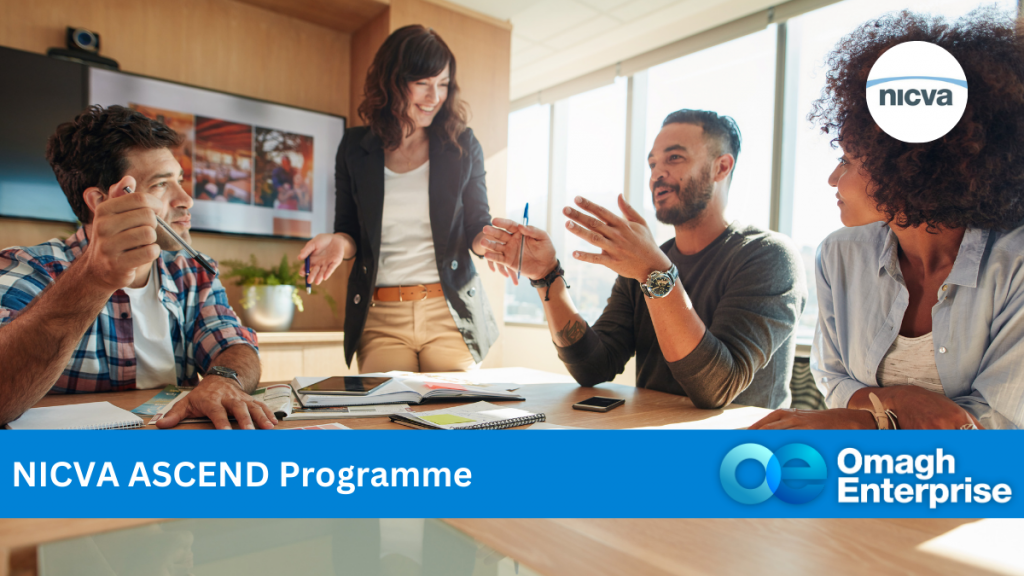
x=974 y=175
x=409 y=54
x=90 y=151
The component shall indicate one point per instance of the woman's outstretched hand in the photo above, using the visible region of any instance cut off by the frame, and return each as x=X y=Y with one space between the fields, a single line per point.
x=326 y=252
x=502 y=240
x=480 y=248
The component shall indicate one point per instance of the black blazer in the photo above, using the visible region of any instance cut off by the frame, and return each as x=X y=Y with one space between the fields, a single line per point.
x=458 y=212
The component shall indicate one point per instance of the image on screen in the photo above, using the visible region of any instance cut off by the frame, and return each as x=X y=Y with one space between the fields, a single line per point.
x=252 y=167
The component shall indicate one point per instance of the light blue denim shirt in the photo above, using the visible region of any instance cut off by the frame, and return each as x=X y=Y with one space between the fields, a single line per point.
x=977 y=325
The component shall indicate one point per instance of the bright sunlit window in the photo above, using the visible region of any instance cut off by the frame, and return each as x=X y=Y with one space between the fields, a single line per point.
x=528 y=156
x=595 y=169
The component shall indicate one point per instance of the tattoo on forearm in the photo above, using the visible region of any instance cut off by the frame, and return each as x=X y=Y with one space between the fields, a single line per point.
x=572 y=332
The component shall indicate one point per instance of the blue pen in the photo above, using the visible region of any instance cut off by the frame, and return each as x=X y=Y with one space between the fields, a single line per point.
x=522 y=242
x=309 y=287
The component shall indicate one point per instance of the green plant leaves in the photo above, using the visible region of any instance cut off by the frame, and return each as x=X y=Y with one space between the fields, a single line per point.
x=286 y=273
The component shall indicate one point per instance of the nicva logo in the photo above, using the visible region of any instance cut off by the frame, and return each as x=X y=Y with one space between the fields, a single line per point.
x=784 y=479
x=916 y=92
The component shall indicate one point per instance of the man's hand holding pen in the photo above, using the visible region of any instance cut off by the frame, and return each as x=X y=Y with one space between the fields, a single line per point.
x=123 y=236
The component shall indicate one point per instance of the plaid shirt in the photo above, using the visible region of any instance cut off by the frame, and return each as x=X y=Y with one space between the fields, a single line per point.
x=202 y=322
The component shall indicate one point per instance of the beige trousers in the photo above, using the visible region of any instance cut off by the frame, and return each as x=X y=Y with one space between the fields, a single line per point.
x=418 y=336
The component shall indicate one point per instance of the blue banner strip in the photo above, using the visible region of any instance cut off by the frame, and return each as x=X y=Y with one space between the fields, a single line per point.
x=513 y=474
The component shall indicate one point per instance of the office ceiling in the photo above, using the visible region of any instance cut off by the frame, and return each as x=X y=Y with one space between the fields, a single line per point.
x=557 y=40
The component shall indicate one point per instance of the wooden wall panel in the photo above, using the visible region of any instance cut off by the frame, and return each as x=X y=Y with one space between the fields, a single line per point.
x=30 y=232
x=216 y=44
x=365 y=43
x=343 y=15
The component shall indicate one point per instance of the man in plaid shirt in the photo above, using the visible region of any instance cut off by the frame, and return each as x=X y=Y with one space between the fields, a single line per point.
x=117 y=306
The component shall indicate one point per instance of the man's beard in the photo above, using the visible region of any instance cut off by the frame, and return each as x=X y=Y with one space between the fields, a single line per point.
x=166 y=242
x=692 y=200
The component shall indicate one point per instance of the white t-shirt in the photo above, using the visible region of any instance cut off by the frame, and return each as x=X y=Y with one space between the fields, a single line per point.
x=911 y=361
x=151 y=325
x=406 y=243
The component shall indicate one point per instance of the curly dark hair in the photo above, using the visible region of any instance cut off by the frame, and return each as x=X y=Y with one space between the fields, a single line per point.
x=90 y=151
x=410 y=53
x=974 y=175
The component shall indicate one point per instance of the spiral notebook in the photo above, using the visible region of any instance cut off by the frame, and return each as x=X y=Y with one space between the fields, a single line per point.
x=476 y=416
x=89 y=416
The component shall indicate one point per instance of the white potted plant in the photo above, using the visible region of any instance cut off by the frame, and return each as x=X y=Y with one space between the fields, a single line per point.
x=269 y=295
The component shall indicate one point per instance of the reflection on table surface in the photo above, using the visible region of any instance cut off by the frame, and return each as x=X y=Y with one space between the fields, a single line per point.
x=360 y=547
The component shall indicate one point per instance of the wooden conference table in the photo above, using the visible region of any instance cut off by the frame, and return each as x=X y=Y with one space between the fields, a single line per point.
x=557 y=547
x=642 y=407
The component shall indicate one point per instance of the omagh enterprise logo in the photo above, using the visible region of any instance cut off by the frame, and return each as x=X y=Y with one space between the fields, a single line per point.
x=917 y=92
x=795 y=473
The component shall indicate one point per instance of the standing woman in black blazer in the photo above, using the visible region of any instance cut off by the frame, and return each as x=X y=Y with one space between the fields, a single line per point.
x=411 y=205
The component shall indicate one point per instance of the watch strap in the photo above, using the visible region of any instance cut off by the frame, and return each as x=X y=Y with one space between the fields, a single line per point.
x=225 y=373
x=548 y=280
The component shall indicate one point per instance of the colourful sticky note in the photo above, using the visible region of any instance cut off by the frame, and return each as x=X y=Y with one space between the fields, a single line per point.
x=445 y=385
x=445 y=419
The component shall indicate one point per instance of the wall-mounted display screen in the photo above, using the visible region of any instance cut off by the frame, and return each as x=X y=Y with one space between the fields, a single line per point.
x=252 y=167
x=39 y=93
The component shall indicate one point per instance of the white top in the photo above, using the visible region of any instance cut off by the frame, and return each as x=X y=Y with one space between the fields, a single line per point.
x=911 y=361
x=151 y=326
x=406 y=244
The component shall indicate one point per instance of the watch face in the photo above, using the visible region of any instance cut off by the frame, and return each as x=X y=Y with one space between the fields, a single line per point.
x=222 y=371
x=659 y=284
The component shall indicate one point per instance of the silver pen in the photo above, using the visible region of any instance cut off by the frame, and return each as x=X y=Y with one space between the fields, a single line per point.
x=191 y=251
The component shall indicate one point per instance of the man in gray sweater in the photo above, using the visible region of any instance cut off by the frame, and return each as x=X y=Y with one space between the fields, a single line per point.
x=710 y=315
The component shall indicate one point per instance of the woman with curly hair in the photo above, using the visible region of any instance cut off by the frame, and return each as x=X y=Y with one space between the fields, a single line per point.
x=921 y=321
x=411 y=204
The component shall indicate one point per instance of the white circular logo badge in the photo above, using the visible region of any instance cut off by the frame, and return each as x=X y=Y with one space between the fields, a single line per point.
x=917 y=92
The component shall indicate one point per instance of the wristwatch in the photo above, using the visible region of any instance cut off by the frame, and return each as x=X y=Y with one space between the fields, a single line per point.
x=225 y=373
x=659 y=284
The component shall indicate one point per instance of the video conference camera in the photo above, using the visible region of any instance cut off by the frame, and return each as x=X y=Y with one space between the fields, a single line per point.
x=83 y=47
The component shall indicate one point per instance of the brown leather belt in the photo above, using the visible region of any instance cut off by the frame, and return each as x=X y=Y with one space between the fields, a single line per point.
x=408 y=293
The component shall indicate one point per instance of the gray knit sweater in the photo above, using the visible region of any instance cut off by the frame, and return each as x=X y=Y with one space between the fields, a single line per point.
x=748 y=288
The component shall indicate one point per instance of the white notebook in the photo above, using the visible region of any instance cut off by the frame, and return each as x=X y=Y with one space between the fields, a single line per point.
x=90 y=416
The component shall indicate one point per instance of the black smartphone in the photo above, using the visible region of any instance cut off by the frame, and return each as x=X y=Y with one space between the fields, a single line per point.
x=345 y=385
x=599 y=404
